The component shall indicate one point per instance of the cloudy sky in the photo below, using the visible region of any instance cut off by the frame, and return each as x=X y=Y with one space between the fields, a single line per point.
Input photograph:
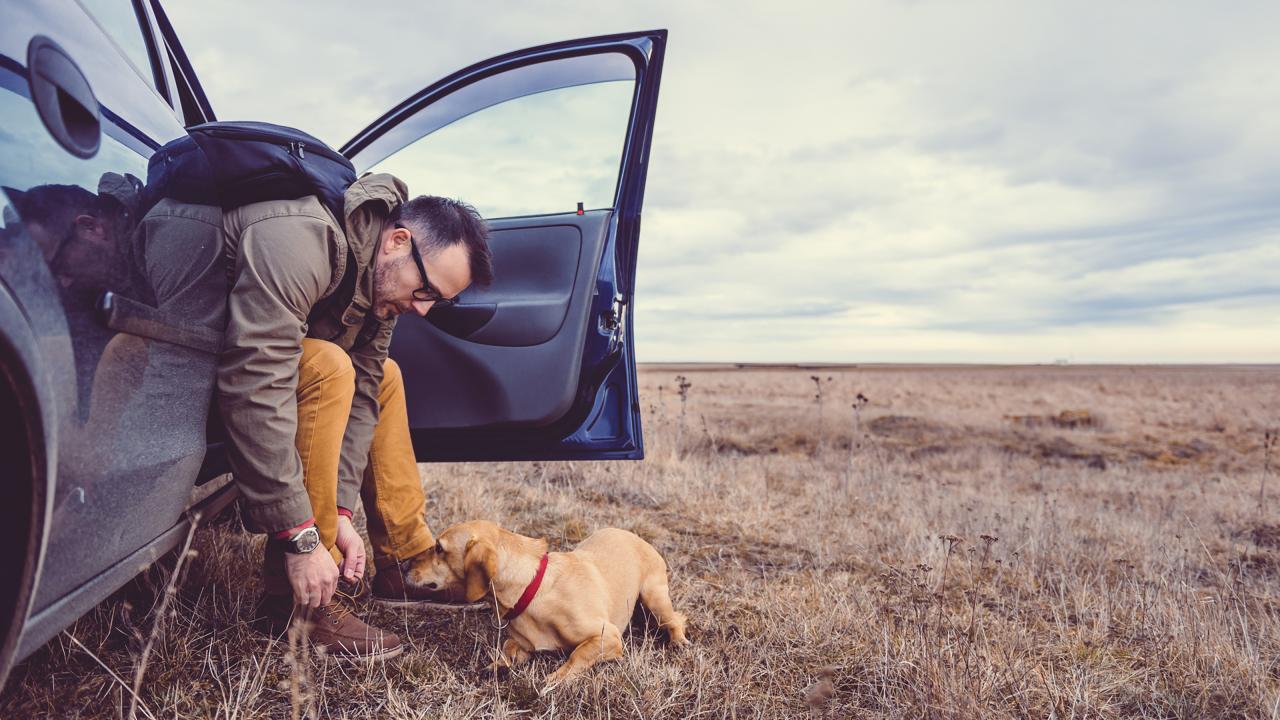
x=877 y=181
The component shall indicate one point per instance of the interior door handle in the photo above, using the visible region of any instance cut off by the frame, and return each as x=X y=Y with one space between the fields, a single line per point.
x=63 y=98
x=462 y=321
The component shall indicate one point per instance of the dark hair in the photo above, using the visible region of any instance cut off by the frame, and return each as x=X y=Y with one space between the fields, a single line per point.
x=438 y=223
x=56 y=207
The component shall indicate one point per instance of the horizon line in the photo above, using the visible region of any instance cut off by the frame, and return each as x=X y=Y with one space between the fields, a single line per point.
x=802 y=365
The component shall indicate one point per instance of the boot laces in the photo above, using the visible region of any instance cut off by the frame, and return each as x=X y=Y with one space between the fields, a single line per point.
x=343 y=604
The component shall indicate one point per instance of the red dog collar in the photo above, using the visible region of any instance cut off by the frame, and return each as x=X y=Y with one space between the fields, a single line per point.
x=530 y=591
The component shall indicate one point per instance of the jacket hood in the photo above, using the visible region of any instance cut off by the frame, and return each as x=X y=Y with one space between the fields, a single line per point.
x=366 y=204
x=383 y=190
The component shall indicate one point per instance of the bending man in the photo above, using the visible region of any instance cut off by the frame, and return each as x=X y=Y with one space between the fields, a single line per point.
x=315 y=410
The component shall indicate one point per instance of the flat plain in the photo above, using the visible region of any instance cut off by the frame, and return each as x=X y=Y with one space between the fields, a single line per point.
x=873 y=541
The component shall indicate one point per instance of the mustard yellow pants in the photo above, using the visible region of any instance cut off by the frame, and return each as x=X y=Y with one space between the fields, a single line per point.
x=394 y=502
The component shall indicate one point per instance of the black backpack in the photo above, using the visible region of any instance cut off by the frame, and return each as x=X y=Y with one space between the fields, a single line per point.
x=236 y=163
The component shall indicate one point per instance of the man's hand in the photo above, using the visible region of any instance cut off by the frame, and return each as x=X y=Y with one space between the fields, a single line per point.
x=313 y=576
x=351 y=545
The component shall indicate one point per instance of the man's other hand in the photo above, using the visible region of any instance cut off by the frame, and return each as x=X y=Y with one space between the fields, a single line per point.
x=313 y=576
x=351 y=545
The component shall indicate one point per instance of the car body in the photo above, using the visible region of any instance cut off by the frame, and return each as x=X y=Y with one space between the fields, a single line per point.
x=111 y=444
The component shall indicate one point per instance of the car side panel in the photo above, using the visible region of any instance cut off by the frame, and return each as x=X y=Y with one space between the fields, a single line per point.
x=130 y=407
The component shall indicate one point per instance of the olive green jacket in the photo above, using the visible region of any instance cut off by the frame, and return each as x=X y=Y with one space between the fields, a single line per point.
x=296 y=272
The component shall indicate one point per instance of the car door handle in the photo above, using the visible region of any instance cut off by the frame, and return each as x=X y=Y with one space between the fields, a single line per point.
x=462 y=321
x=63 y=98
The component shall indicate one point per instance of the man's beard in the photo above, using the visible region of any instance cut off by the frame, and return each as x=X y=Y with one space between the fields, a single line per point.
x=383 y=281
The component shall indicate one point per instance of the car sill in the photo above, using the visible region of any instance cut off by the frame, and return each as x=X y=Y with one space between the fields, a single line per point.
x=47 y=623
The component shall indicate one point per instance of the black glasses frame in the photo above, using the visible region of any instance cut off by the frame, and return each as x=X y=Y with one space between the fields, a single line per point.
x=426 y=293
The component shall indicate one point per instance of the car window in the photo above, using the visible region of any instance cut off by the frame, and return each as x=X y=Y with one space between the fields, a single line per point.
x=119 y=20
x=534 y=154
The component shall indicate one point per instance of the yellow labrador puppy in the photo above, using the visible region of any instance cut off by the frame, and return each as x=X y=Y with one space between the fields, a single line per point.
x=576 y=601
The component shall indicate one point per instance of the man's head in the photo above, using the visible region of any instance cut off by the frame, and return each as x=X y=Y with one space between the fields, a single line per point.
x=79 y=233
x=451 y=241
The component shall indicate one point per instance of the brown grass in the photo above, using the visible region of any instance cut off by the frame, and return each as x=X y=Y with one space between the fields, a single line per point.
x=955 y=560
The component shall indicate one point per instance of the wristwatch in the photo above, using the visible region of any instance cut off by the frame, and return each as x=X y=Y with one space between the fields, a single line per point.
x=303 y=542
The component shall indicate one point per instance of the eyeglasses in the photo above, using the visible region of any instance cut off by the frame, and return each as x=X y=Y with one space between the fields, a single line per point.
x=426 y=293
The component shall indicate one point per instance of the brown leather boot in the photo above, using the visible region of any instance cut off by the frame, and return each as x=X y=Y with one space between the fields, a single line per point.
x=333 y=626
x=390 y=589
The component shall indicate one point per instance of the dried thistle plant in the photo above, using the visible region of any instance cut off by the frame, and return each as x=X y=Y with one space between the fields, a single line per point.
x=817 y=395
x=984 y=562
x=682 y=387
x=855 y=440
x=950 y=543
x=1269 y=440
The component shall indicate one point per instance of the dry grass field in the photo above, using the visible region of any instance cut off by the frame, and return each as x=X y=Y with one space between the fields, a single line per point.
x=969 y=542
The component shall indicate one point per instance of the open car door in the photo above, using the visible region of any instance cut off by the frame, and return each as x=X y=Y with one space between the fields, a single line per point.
x=551 y=145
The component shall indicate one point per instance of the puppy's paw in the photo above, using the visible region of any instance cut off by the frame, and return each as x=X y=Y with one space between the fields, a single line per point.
x=678 y=636
x=555 y=679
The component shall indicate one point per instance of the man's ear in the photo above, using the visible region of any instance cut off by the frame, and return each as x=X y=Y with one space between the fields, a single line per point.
x=395 y=239
x=90 y=228
x=479 y=565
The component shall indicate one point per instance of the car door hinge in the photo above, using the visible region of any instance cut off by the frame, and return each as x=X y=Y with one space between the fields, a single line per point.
x=613 y=321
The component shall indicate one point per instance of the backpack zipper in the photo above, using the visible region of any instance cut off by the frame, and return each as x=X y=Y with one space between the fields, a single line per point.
x=251 y=134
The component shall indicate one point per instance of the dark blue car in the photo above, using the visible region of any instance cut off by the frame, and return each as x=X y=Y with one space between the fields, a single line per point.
x=109 y=445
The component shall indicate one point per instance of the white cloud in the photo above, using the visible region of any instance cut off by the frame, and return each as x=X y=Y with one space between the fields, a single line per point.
x=880 y=181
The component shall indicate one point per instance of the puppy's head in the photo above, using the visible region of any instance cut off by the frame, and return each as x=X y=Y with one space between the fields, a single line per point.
x=464 y=556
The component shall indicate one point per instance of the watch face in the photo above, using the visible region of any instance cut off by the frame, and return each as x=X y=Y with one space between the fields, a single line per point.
x=306 y=541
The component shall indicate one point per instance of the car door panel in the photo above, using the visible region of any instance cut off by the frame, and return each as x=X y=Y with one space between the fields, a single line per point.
x=453 y=384
x=538 y=264
x=541 y=364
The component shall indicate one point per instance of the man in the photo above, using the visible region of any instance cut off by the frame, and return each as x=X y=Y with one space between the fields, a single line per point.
x=315 y=410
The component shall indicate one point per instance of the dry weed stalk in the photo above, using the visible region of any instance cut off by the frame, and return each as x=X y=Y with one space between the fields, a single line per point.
x=817 y=395
x=132 y=693
x=987 y=542
x=1269 y=439
x=855 y=440
x=683 y=385
x=298 y=660
x=950 y=543
x=161 y=612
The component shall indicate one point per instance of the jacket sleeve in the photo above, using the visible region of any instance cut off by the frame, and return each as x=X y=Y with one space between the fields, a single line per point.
x=368 y=362
x=280 y=271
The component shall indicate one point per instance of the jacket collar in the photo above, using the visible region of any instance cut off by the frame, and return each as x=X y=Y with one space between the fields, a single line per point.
x=366 y=205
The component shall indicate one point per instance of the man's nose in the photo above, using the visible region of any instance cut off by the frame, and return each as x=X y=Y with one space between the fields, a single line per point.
x=422 y=307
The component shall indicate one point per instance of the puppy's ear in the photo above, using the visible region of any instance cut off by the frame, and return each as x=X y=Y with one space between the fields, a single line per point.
x=479 y=565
